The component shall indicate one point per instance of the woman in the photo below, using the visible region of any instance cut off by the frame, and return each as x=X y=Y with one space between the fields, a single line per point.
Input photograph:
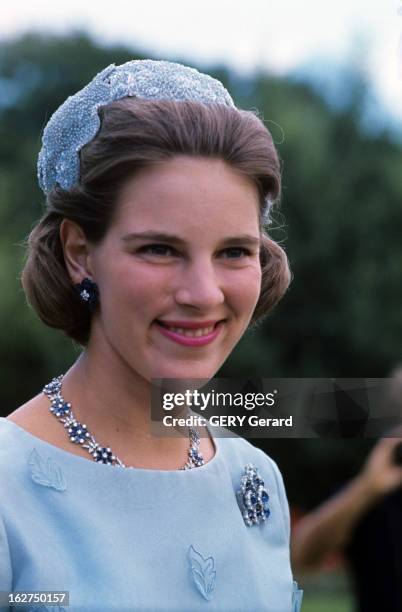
x=152 y=256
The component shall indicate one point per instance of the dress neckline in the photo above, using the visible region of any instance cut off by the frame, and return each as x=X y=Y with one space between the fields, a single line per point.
x=66 y=455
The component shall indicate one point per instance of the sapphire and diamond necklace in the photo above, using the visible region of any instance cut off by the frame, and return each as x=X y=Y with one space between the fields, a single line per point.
x=79 y=433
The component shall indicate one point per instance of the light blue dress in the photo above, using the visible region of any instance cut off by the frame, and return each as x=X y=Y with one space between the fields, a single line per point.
x=137 y=539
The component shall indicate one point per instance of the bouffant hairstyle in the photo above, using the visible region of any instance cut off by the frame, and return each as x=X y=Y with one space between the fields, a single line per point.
x=136 y=133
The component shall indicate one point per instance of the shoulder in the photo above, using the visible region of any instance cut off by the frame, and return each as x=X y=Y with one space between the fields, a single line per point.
x=7 y=438
x=34 y=419
x=32 y=416
x=239 y=452
x=11 y=451
x=18 y=432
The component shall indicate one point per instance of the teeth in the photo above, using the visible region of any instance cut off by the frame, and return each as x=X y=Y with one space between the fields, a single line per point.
x=192 y=333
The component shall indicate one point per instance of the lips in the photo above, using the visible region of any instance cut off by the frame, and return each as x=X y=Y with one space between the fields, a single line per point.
x=190 y=333
x=189 y=329
x=189 y=324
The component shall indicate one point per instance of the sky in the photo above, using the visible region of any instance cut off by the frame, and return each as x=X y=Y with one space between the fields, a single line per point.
x=276 y=35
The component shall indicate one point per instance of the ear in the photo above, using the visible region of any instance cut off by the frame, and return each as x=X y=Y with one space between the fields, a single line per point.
x=76 y=251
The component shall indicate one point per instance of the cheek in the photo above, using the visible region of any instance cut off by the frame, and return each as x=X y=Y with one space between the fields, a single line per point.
x=244 y=290
x=140 y=281
x=136 y=288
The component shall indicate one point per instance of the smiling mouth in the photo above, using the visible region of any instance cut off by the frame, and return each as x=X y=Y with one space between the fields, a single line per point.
x=190 y=333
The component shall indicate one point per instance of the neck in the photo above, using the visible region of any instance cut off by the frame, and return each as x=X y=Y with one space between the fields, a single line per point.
x=114 y=402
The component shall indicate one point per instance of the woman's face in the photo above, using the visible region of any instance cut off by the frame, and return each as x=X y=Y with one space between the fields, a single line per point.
x=179 y=272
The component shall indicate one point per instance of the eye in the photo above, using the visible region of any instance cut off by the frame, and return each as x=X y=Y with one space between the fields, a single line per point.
x=160 y=250
x=236 y=252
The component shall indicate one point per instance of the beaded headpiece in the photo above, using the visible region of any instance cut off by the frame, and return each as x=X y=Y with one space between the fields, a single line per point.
x=76 y=122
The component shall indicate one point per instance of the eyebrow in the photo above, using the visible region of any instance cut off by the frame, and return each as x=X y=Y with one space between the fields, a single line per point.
x=241 y=239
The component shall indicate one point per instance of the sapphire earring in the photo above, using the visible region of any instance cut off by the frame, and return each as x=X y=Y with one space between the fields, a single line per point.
x=88 y=292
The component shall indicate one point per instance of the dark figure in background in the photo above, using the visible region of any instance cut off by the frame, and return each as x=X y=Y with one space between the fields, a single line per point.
x=365 y=521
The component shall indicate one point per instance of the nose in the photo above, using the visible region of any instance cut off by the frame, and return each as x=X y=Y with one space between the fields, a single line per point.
x=199 y=286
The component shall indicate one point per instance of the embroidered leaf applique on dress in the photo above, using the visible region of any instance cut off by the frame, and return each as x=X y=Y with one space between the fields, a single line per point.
x=203 y=572
x=46 y=473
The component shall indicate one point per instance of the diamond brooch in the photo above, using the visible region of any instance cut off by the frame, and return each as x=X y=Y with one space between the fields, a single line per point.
x=253 y=497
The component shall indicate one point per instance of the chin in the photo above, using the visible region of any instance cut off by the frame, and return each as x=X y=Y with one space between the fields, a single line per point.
x=186 y=371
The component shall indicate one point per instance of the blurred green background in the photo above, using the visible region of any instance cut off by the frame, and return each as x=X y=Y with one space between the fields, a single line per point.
x=339 y=222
